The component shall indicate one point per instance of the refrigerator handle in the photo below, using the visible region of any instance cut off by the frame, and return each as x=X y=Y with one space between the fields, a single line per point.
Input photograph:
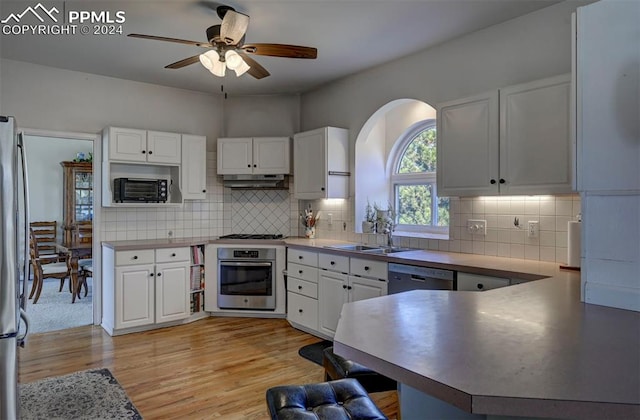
x=25 y=198
x=25 y=319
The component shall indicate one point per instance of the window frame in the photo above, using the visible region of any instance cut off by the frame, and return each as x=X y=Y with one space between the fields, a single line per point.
x=423 y=178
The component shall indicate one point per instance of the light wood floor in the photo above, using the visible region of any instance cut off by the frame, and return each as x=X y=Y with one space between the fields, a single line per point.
x=213 y=368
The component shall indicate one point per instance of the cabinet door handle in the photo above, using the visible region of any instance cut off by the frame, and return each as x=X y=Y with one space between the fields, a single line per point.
x=299 y=287
x=493 y=181
x=255 y=166
x=144 y=151
x=300 y=310
x=173 y=255
x=502 y=181
x=480 y=286
x=151 y=274
x=299 y=271
x=150 y=152
x=159 y=274
x=333 y=263
x=322 y=189
x=344 y=286
x=135 y=257
x=366 y=268
x=349 y=287
x=248 y=166
x=204 y=191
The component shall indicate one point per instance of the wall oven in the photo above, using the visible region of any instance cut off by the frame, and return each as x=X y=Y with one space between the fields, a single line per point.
x=247 y=278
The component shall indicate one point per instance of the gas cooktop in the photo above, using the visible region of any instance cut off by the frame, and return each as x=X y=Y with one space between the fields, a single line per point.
x=252 y=236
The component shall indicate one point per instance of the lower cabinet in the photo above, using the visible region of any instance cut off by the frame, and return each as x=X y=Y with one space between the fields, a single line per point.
x=480 y=283
x=302 y=289
x=145 y=287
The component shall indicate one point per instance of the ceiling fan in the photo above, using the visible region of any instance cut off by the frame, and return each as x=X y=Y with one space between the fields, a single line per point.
x=227 y=48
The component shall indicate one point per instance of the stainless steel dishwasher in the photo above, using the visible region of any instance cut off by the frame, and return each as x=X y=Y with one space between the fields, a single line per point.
x=403 y=277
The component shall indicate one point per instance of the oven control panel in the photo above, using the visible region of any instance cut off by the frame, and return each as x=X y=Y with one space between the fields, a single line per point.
x=246 y=253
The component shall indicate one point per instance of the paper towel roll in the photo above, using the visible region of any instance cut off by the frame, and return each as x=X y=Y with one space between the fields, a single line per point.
x=573 y=244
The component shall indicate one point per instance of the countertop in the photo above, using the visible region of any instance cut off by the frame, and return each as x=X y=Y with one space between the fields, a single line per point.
x=531 y=349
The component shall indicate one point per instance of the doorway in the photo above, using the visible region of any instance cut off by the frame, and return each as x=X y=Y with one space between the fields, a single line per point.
x=60 y=192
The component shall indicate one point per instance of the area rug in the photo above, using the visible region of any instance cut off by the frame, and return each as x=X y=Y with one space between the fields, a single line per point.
x=54 y=310
x=314 y=352
x=89 y=394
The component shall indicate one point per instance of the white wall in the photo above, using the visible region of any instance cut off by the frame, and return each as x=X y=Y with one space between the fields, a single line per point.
x=44 y=155
x=261 y=116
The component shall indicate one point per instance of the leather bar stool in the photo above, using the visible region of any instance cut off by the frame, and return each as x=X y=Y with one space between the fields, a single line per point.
x=337 y=367
x=344 y=399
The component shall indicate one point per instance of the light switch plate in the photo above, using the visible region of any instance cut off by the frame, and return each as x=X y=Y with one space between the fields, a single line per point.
x=533 y=229
x=477 y=227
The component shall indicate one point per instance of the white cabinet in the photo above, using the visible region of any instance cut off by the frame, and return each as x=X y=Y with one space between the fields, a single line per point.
x=257 y=155
x=363 y=279
x=467 y=146
x=302 y=289
x=144 y=287
x=321 y=163
x=513 y=141
x=479 y=283
x=535 y=137
x=605 y=66
x=131 y=145
x=193 y=173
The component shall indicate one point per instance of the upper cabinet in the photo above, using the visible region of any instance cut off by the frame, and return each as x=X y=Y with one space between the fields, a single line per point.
x=254 y=155
x=131 y=145
x=194 y=167
x=321 y=163
x=513 y=141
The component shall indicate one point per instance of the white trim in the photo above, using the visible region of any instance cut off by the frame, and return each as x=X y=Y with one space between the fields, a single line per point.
x=97 y=209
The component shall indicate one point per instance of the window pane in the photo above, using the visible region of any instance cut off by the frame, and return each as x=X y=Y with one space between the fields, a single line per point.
x=420 y=154
x=414 y=204
x=443 y=211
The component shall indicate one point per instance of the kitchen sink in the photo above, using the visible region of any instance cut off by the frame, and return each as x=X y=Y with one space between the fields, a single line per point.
x=355 y=247
x=370 y=249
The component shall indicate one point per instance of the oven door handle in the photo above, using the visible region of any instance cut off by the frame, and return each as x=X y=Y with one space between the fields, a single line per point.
x=244 y=264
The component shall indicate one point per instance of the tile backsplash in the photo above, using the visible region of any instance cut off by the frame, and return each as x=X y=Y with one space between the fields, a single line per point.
x=502 y=238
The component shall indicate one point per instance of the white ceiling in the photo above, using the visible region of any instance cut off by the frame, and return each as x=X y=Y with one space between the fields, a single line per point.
x=350 y=36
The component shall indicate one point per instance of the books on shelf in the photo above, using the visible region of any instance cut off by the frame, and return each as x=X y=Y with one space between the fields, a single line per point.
x=197 y=277
x=197 y=254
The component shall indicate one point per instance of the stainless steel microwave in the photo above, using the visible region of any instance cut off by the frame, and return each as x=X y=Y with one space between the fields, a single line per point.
x=132 y=190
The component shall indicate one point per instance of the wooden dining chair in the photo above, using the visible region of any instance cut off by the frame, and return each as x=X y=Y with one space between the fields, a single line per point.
x=44 y=268
x=46 y=234
x=85 y=271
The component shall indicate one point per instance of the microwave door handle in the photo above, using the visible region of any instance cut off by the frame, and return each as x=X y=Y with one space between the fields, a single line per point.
x=244 y=264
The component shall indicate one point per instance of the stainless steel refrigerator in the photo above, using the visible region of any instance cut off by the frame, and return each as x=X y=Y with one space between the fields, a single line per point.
x=13 y=262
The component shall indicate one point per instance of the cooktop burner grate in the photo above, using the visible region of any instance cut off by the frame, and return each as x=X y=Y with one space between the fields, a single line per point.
x=252 y=236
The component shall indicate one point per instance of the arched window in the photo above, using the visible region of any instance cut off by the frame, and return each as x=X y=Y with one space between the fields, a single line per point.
x=413 y=182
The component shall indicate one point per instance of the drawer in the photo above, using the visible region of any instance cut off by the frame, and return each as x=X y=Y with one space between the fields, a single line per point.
x=302 y=310
x=302 y=287
x=369 y=268
x=137 y=257
x=303 y=272
x=332 y=262
x=479 y=283
x=172 y=254
x=302 y=257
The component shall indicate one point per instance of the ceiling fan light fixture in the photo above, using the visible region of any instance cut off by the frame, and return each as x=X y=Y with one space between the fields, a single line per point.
x=219 y=68
x=209 y=59
x=241 y=69
x=232 y=59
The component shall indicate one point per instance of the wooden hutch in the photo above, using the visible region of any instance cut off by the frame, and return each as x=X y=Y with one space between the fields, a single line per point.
x=77 y=210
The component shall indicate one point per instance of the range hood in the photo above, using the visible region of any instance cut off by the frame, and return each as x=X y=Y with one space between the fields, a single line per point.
x=255 y=182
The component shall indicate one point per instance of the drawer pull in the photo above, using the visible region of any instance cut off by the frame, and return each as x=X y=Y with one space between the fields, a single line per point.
x=300 y=310
x=480 y=286
x=173 y=255
x=135 y=257
x=299 y=271
x=333 y=263
x=299 y=287
x=299 y=257
x=366 y=268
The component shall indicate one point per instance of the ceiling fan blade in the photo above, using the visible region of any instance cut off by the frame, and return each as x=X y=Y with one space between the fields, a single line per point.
x=234 y=26
x=281 y=50
x=176 y=40
x=255 y=69
x=183 y=63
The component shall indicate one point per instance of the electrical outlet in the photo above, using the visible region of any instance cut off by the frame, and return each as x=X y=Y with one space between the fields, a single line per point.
x=330 y=218
x=533 y=229
x=477 y=227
